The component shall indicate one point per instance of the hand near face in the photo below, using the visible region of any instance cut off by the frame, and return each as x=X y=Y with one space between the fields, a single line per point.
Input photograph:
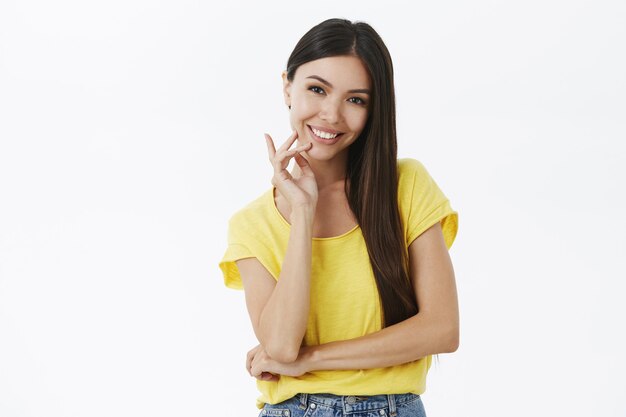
x=299 y=192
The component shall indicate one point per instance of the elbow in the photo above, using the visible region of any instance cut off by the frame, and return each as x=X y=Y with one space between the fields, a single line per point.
x=453 y=347
x=282 y=353
x=279 y=349
x=452 y=340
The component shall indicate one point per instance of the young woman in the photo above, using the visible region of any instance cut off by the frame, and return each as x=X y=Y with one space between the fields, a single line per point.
x=344 y=261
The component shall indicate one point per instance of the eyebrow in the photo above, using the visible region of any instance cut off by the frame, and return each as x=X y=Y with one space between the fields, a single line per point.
x=356 y=90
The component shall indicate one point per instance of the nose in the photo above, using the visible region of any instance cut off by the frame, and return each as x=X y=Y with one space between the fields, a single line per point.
x=331 y=111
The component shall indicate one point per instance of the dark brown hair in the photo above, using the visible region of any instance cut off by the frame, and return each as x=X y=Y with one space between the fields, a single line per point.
x=372 y=189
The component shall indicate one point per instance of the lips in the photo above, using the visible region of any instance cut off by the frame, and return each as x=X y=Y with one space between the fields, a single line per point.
x=324 y=140
x=325 y=129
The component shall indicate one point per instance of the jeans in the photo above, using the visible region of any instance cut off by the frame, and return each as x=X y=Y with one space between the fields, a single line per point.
x=330 y=405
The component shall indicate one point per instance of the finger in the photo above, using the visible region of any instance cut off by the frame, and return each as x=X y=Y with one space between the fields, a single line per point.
x=303 y=163
x=300 y=148
x=282 y=157
x=255 y=372
x=250 y=356
x=289 y=141
x=248 y=364
x=271 y=150
x=280 y=163
x=281 y=174
x=252 y=352
x=273 y=378
x=268 y=376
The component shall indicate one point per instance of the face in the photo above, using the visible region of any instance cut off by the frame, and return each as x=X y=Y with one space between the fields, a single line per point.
x=328 y=94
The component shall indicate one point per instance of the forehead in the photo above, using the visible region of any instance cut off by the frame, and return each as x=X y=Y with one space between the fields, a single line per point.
x=343 y=72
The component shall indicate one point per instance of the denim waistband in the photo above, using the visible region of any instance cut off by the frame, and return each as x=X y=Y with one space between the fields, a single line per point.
x=357 y=403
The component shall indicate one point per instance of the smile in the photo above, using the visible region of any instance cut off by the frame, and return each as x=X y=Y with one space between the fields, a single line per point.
x=324 y=137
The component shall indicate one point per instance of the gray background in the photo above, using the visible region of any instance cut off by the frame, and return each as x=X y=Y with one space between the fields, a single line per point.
x=131 y=130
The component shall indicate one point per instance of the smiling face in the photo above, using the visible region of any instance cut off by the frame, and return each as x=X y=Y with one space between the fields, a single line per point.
x=328 y=95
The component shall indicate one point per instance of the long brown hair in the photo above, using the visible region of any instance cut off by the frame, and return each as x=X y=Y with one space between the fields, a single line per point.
x=372 y=189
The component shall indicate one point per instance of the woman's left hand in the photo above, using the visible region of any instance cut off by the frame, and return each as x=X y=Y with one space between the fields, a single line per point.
x=261 y=366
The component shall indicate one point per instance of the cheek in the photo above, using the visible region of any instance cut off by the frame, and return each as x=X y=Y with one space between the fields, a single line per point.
x=299 y=114
x=304 y=108
x=357 y=121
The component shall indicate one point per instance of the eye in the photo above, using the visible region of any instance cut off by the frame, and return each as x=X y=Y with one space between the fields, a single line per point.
x=319 y=88
x=361 y=101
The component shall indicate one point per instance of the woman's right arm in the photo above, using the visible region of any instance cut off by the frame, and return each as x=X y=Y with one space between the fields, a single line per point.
x=279 y=311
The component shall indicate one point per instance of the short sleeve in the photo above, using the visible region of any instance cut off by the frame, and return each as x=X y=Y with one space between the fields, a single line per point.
x=239 y=246
x=242 y=243
x=427 y=204
x=235 y=250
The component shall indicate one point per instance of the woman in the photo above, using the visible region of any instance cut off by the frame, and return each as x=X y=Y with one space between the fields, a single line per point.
x=344 y=261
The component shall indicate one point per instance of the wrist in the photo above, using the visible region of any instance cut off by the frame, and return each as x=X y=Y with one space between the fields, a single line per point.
x=309 y=356
x=302 y=213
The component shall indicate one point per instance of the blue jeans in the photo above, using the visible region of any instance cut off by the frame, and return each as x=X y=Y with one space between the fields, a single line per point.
x=330 y=405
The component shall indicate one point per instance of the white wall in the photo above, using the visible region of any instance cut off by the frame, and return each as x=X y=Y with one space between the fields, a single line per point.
x=131 y=130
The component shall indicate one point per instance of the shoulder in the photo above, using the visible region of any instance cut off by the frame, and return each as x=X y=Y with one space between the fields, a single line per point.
x=410 y=171
x=422 y=202
x=252 y=212
x=417 y=189
x=410 y=166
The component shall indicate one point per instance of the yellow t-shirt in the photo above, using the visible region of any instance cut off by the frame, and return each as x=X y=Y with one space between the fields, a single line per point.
x=344 y=296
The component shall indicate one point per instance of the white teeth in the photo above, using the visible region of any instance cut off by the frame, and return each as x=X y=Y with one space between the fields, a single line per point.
x=324 y=134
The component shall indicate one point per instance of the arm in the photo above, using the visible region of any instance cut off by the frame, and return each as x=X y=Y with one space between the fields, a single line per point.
x=435 y=329
x=279 y=310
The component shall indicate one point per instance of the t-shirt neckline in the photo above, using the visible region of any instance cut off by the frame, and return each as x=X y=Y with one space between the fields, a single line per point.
x=286 y=223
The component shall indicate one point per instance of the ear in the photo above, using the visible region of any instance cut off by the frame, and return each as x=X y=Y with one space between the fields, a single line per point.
x=286 y=88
